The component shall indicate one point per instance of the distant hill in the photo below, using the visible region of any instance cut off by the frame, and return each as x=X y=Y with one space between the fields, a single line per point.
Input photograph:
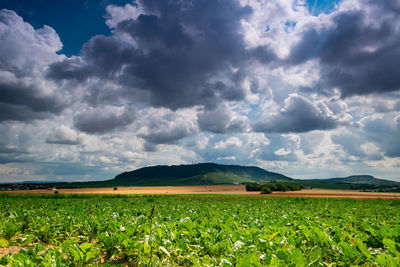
x=214 y=174
x=197 y=174
x=357 y=179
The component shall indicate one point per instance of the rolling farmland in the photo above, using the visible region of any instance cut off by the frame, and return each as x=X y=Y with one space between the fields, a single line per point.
x=161 y=230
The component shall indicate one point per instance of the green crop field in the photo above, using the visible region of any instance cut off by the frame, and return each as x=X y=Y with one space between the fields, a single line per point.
x=76 y=230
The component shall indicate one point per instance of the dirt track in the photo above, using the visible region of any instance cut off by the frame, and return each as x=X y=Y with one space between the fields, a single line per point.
x=216 y=189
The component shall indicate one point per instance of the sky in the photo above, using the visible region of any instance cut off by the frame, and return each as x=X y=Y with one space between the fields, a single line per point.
x=89 y=89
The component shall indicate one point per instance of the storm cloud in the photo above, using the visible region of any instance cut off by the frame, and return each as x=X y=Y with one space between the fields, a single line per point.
x=22 y=100
x=166 y=128
x=298 y=115
x=181 y=54
x=222 y=120
x=100 y=121
x=358 y=51
x=63 y=136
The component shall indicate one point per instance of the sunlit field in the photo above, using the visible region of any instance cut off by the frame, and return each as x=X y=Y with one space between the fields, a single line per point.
x=202 y=230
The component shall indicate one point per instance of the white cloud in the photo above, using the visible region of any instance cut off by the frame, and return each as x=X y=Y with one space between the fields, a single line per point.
x=63 y=136
x=117 y=14
x=230 y=142
x=227 y=158
x=282 y=152
x=24 y=50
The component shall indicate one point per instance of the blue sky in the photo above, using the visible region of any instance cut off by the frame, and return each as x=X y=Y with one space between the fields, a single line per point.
x=317 y=7
x=93 y=88
x=75 y=21
x=86 y=18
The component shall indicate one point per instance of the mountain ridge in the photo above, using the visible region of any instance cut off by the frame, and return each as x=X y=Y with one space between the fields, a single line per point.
x=201 y=173
x=355 y=179
x=215 y=174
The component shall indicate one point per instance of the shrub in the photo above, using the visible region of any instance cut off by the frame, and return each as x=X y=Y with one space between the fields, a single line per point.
x=265 y=189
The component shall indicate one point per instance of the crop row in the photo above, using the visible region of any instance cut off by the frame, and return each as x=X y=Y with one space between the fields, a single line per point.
x=198 y=230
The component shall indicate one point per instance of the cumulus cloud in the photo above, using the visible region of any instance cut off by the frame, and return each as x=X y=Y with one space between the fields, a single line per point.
x=23 y=99
x=222 y=120
x=168 y=135
x=383 y=131
x=117 y=14
x=355 y=49
x=181 y=55
x=24 y=54
x=15 y=144
x=230 y=142
x=356 y=146
x=167 y=128
x=63 y=136
x=227 y=158
x=298 y=115
x=100 y=120
x=24 y=50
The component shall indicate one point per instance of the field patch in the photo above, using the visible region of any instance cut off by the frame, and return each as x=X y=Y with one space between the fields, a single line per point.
x=183 y=230
x=212 y=189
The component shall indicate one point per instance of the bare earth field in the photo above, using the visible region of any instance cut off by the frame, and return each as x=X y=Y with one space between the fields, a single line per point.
x=214 y=189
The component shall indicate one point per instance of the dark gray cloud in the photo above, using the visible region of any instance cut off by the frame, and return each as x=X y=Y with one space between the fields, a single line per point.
x=391 y=6
x=222 y=120
x=178 y=56
x=149 y=147
x=63 y=136
x=19 y=113
x=21 y=101
x=70 y=68
x=167 y=129
x=15 y=144
x=356 y=56
x=167 y=136
x=298 y=116
x=14 y=158
x=97 y=121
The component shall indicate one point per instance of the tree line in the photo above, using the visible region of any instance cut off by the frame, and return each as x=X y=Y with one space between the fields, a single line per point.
x=269 y=188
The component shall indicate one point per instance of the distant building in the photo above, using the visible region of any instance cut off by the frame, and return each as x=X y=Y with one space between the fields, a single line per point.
x=236 y=183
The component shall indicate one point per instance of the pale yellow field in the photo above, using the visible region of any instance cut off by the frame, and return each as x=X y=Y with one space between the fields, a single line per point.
x=214 y=189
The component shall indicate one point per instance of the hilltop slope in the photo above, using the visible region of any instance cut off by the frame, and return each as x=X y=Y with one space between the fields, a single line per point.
x=197 y=174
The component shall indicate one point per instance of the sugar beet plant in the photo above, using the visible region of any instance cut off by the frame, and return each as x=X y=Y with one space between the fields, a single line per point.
x=197 y=231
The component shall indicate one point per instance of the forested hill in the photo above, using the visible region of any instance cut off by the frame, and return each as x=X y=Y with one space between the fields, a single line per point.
x=202 y=173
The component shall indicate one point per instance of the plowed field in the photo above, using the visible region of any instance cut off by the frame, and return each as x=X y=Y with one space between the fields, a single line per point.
x=215 y=189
